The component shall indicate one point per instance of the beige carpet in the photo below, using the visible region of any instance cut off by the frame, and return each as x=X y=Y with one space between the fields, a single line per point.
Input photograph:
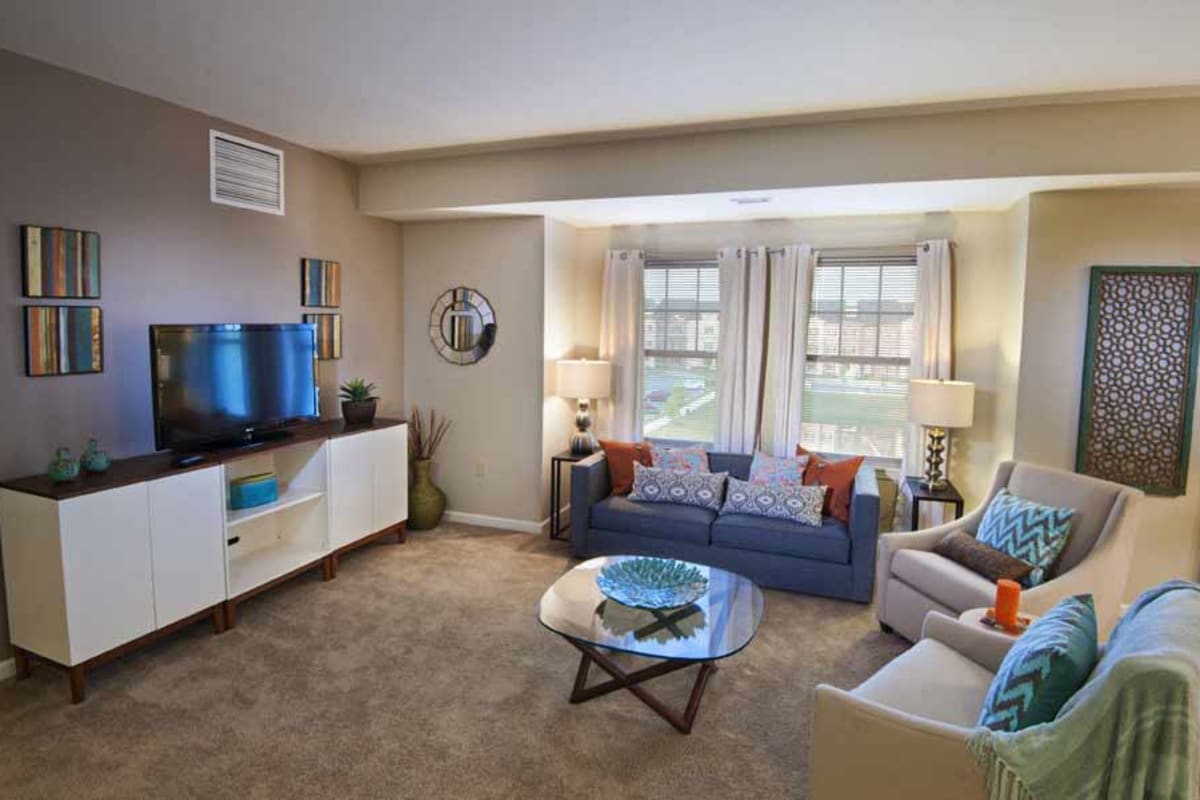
x=422 y=672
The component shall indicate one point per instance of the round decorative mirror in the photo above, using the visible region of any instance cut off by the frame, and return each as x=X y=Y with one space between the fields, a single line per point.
x=462 y=326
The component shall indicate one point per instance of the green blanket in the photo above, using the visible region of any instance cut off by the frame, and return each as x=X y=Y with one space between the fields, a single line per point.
x=1131 y=732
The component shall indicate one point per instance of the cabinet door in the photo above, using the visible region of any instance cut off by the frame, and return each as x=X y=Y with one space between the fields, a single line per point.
x=351 y=487
x=106 y=569
x=187 y=543
x=390 y=460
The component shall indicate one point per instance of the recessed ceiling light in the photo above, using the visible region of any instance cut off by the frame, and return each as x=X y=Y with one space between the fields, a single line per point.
x=749 y=201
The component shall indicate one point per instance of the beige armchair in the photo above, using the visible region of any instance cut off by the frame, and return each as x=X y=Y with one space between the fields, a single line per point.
x=911 y=580
x=903 y=733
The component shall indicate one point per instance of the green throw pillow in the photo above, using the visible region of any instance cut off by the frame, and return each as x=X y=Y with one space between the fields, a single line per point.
x=1044 y=668
x=1030 y=531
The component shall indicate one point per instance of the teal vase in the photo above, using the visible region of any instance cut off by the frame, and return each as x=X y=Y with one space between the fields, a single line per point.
x=94 y=459
x=63 y=467
x=426 y=502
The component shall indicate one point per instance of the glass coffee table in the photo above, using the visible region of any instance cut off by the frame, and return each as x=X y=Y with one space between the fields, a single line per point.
x=718 y=625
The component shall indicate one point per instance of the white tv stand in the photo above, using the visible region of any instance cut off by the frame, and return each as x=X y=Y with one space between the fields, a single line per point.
x=99 y=566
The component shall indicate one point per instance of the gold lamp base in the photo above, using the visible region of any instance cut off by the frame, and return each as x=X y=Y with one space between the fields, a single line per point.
x=934 y=479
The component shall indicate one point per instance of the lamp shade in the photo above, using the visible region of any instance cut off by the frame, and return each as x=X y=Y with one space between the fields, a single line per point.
x=941 y=404
x=580 y=378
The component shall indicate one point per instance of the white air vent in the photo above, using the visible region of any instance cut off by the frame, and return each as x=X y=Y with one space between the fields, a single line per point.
x=245 y=174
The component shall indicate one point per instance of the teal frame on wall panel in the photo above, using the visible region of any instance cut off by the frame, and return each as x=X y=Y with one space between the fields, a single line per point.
x=1139 y=376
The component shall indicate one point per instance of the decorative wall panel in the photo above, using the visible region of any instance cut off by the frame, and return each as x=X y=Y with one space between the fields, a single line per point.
x=1139 y=377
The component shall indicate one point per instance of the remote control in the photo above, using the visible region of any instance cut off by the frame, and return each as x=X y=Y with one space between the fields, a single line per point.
x=187 y=461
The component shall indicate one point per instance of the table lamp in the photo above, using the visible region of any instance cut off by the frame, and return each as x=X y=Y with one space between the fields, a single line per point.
x=938 y=405
x=585 y=381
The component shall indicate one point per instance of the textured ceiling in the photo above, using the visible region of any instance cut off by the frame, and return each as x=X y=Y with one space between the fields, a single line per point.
x=364 y=77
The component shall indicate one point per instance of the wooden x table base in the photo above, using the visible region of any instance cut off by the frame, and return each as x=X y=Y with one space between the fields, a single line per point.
x=631 y=681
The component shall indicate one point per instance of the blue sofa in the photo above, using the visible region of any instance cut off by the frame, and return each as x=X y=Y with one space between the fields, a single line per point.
x=834 y=560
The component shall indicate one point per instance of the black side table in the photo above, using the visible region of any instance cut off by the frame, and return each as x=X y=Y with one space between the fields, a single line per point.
x=556 y=484
x=921 y=493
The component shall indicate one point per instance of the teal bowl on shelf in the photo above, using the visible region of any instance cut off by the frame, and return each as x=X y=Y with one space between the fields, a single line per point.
x=253 y=490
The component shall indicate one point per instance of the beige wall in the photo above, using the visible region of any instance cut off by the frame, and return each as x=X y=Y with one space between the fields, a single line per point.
x=986 y=300
x=495 y=405
x=558 y=413
x=988 y=277
x=80 y=153
x=1065 y=139
x=591 y=246
x=1069 y=232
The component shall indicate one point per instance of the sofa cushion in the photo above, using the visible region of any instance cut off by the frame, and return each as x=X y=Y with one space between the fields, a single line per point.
x=837 y=475
x=931 y=681
x=951 y=584
x=793 y=502
x=679 y=459
x=654 y=485
x=830 y=542
x=1026 y=530
x=1093 y=501
x=776 y=471
x=657 y=520
x=1045 y=667
x=621 y=457
x=963 y=548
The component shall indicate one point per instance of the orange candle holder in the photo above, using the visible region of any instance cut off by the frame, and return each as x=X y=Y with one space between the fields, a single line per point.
x=1008 y=602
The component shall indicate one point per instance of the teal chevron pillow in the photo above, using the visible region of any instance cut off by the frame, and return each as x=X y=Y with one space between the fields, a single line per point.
x=1026 y=530
x=1044 y=668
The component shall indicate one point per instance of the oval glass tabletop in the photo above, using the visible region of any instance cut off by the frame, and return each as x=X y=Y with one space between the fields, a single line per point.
x=719 y=624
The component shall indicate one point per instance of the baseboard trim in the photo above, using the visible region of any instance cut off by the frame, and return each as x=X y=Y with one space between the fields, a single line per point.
x=488 y=521
x=8 y=669
x=564 y=513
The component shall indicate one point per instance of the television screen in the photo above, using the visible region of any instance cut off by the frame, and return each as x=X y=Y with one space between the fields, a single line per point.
x=223 y=383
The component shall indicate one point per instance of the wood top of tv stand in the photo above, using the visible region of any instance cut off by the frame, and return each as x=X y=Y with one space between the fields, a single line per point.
x=127 y=471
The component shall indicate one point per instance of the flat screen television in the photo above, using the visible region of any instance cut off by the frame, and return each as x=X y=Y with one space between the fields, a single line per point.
x=231 y=383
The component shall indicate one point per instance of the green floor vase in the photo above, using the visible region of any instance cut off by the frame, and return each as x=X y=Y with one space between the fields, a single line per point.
x=426 y=502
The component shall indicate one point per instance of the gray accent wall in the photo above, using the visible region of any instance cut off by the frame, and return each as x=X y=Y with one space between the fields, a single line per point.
x=490 y=463
x=79 y=153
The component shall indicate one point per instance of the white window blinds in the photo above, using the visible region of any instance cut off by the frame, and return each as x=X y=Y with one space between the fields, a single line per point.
x=859 y=342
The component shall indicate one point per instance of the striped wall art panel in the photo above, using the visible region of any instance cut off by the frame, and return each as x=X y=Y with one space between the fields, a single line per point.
x=60 y=263
x=329 y=335
x=63 y=340
x=321 y=283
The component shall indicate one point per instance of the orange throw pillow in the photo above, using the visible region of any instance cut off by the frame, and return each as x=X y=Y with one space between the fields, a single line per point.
x=620 y=457
x=838 y=476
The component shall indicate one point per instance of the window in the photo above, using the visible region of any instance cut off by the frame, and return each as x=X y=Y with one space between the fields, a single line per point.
x=680 y=327
x=860 y=329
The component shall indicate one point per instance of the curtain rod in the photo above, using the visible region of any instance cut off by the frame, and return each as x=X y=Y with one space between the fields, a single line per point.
x=901 y=250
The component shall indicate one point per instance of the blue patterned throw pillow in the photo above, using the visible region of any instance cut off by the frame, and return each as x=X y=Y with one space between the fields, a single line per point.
x=1044 y=668
x=679 y=459
x=653 y=485
x=1026 y=530
x=780 y=501
x=777 y=471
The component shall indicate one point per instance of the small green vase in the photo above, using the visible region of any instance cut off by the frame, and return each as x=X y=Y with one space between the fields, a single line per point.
x=426 y=502
x=94 y=459
x=63 y=468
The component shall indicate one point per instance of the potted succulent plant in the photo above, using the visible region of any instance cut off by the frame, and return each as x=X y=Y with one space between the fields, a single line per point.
x=358 y=401
x=426 y=502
